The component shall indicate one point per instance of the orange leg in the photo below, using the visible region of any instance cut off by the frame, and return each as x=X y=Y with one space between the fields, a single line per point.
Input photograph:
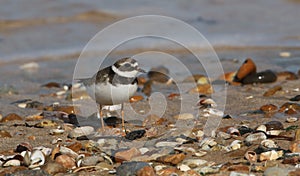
x=122 y=115
x=101 y=116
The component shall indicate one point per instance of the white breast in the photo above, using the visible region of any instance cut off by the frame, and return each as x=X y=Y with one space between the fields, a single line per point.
x=106 y=94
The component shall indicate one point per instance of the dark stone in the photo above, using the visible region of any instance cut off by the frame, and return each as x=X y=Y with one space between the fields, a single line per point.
x=113 y=121
x=73 y=120
x=130 y=168
x=296 y=98
x=274 y=125
x=29 y=172
x=135 y=134
x=244 y=130
x=262 y=77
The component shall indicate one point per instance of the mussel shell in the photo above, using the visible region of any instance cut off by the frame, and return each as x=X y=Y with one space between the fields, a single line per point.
x=262 y=77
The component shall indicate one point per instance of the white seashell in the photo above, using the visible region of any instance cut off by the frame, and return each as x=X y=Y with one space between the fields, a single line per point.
x=236 y=144
x=291 y=119
x=67 y=151
x=169 y=144
x=56 y=131
x=270 y=155
x=269 y=143
x=274 y=132
x=55 y=141
x=211 y=111
x=200 y=153
x=193 y=163
x=26 y=156
x=79 y=160
x=37 y=158
x=183 y=167
x=46 y=151
x=159 y=167
x=144 y=150
x=251 y=156
x=255 y=137
x=261 y=128
x=11 y=162
x=22 y=105
x=233 y=131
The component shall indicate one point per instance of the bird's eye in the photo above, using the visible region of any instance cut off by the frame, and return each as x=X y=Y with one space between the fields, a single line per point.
x=127 y=65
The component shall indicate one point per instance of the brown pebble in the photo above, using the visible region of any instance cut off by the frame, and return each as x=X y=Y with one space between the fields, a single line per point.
x=202 y=89
x=297 y=135
x=295 y=146
x=159 y=74
x=51 y=85
x=53 y=168
x=268 y=108
x=136 y=98
x=246 y=69
x=76 y=146
x=11 y=117
x=127 y=155
x=274 y=125
x=229 y=77
x=66 y=161
x=31 y=138
x=146 y=171
x=286 y=75
x=4 y=134
x=292 y=160
x=290 y=108
x=272 y=91
x=66 y=109
x=172 y=159
x=169 y=171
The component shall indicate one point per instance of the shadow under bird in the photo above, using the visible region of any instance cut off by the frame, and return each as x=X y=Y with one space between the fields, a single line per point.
x=114 y=85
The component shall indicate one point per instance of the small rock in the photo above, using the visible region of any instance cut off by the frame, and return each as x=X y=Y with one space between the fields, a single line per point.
x=295 y=147
x=130 y=168
x=166 y=144
x=66 y=161
x=255 y=137
x=81 y=131
x=267 y=76
x=274 y=125
x=184 y=116
x=51 y=85
x=247 y=68
x=91 y=160
x=209 y=170
x=31 y=173
x=268 y=108
x=276 y=171
x=53 y=168
x=169 y=172
x=172 y=159
x=11 y=117
x=127 y=155
x=45 y=123
x=193 y=163
x=76 y=146
x=136 y=98
x=296 y=98
x=135 y=134
x=285 y=54
x=272 y=91
x=159 y=74
x=146 y=171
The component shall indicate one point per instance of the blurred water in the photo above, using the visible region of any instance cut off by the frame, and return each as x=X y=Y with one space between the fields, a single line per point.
x=41 y=28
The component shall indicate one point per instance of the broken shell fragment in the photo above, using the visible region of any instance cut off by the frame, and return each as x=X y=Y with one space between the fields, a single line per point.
x=251 y=156
x=37 y=158
x=269 y=143
x=247 y=68
x=270 y=155
x=291 y=119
